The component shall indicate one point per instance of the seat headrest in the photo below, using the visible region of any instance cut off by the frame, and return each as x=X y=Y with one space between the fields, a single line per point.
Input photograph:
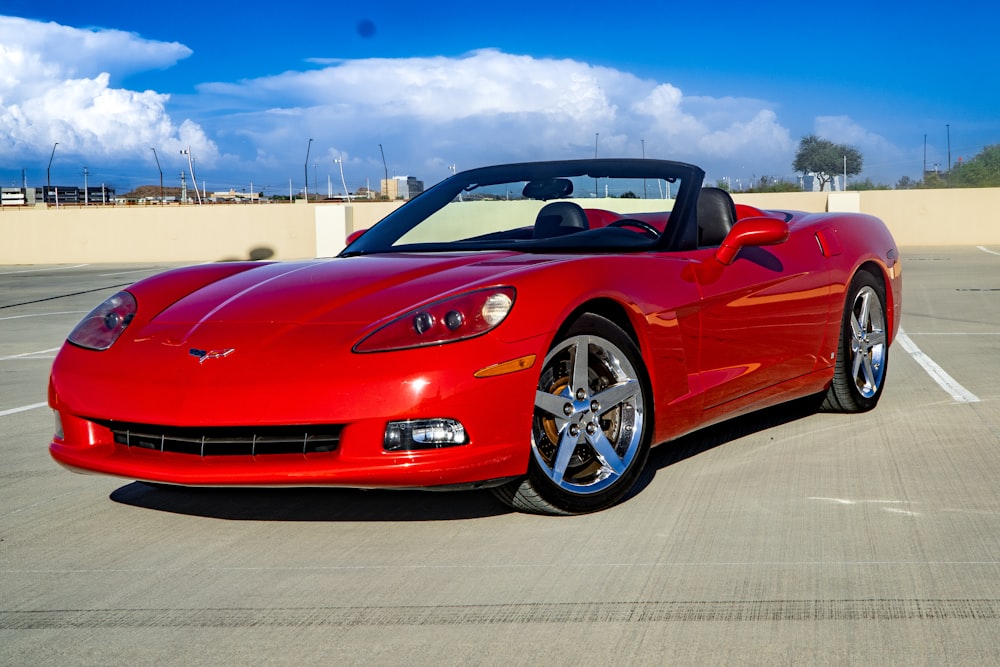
x=558 y=218
x=716 y=216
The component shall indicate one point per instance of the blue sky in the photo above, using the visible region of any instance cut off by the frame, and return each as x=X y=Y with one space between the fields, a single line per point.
x=729 y=86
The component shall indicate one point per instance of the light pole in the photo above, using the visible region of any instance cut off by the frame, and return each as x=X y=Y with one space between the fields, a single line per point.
x=644 y=195
x=306 y=169
x=340 y=161
x=48 y=170
x=161 y=172
x=194 y=179
x=948 y=128
x=597 y=135
x=386 y=167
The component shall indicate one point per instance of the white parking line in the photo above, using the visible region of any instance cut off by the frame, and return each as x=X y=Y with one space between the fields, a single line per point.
x=945 y=381
x=53 y=268
x=59 y=312
x=32 y=355
x=985 y=249
x=23 y=408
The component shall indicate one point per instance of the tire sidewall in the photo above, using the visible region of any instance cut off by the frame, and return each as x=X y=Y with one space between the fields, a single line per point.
x=575 y=503
x=861 y=280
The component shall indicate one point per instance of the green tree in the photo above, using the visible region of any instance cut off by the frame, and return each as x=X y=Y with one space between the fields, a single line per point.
x=826 y=159
x=768 y=184
x=867 y=184
x=982 y=171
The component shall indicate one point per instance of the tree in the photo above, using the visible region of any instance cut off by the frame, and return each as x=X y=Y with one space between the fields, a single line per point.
x=867 y=184
x=982 y=171
x=770 y=184
x=826 y=159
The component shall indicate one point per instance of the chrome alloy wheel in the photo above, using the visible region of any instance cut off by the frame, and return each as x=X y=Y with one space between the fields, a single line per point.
x=867 y=342
x=588 y=419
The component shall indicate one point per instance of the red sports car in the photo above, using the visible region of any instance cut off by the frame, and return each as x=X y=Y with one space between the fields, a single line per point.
x=531 y=328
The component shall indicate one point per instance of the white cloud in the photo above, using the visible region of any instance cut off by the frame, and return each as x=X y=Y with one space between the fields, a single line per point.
x=55 y=86
x=888 y=157
x=489 y=106
x=57 y=83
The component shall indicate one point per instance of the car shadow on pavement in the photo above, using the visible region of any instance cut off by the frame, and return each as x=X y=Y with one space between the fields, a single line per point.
x=311 y=504
x=335 y=504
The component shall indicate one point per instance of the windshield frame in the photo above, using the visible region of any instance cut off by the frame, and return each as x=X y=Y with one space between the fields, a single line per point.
x=680 y=234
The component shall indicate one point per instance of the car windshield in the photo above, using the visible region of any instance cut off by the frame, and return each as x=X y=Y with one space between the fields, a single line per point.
x=583 y=205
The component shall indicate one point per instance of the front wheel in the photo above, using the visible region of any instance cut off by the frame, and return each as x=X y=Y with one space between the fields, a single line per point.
x=863 y=350
x=591 y=425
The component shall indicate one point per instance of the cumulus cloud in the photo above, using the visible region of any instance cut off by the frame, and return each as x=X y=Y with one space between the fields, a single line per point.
x=56 y=86
x=57 y=83
x=489 y=106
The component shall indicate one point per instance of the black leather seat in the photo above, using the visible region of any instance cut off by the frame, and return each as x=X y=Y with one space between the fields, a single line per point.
x=558 y=218
x=716 y=216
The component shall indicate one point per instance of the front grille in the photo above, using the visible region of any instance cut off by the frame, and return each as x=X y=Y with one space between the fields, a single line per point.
x=229 y=441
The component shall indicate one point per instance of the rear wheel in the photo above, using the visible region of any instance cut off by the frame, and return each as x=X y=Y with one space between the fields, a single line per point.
x=863 y=350
x=591 y=424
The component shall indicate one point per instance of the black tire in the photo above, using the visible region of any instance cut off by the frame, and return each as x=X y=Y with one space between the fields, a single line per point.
x=592 y=424
x=863 y=349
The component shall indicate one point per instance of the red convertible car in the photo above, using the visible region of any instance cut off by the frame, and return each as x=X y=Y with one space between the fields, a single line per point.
x=530 y=328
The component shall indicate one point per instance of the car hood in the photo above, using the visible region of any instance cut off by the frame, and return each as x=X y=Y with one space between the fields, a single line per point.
x=358 y=290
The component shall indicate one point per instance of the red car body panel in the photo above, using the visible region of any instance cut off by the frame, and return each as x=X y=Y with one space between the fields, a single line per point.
x=276 y=342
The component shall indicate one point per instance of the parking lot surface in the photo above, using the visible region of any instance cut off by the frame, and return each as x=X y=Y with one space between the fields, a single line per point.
x=784 y=537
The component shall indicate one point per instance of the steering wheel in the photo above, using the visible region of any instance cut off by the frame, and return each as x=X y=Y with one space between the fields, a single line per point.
x=647 y=229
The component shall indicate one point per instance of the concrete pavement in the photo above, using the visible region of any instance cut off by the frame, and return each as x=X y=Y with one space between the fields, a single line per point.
x=780 y=538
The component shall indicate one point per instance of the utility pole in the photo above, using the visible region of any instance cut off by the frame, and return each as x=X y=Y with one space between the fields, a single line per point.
x=86 y=192
x=48 y=174
x=184 y=189
x=161 y=173
x=948 y=128
x=306 y=169
x=194 y=179
x=386 y=167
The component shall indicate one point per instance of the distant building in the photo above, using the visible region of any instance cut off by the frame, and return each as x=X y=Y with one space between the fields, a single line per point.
x=17 y=196
x=401 y=187
x=811 y=182
x=233 y=196
x=69 y=194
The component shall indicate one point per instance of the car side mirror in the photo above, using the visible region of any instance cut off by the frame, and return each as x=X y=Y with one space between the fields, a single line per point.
x=751 y=232
x=354 y=236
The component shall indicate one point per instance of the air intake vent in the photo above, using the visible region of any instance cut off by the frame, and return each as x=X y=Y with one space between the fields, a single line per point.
x=225 y=441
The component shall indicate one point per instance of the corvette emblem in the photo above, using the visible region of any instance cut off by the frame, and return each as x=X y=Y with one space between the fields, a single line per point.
x=205 y=355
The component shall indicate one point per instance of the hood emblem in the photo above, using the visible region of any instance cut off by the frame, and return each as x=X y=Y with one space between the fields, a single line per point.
x=205 y=355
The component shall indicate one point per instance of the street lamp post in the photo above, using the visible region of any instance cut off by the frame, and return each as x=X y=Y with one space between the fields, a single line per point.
x=386 y=167
x=340 y=162
x=306 y=170
x=48 y=170
x=194 y=179
x=948 y=128
x=161 y=173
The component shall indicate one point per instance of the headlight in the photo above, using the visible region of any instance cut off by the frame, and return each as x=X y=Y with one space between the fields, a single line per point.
x=102 y=327
x=446 y=321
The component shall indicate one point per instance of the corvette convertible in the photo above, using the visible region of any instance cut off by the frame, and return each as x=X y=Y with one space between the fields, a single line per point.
x=529 y=328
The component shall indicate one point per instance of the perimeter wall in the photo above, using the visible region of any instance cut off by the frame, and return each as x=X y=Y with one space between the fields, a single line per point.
x=194 y=233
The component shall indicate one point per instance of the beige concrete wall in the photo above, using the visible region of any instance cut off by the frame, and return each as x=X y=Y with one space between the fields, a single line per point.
x=180 y=233
x=282 y=231
x=967 y=216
